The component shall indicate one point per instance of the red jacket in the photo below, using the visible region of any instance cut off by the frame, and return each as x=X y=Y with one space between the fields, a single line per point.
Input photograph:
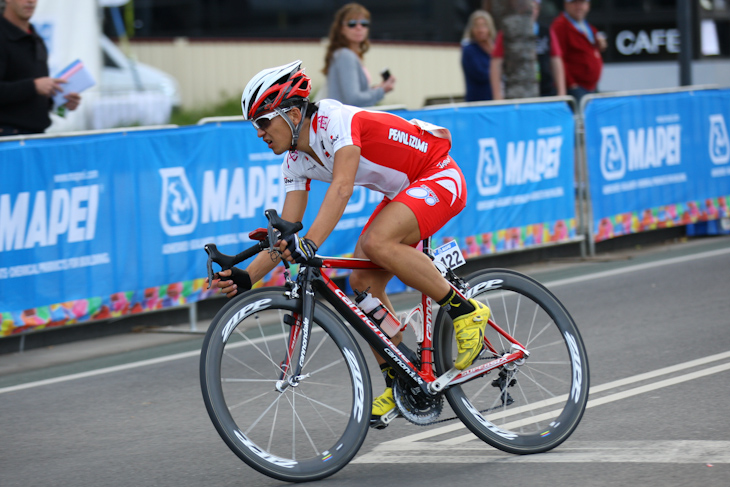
x=581 y=59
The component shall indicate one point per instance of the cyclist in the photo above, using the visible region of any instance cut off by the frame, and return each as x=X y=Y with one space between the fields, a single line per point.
x=423 y=189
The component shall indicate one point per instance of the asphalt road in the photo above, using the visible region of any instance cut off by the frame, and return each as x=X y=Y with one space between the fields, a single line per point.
x=127 y=410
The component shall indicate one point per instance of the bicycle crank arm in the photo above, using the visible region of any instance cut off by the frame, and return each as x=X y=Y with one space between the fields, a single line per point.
x=383 y=421
x=438 y=385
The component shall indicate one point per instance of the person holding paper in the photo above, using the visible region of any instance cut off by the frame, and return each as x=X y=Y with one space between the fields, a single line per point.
x=26 y=89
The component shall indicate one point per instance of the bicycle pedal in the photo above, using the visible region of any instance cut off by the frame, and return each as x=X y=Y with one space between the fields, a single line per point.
x=382 y=422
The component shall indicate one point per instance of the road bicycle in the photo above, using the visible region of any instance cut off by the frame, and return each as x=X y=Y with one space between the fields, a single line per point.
x=288 y=389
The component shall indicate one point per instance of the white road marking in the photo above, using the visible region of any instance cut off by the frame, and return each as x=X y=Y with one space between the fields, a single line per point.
x=411 y=448
x=681 y=451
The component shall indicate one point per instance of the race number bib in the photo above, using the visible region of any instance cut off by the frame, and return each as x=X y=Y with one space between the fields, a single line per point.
x=449 y=255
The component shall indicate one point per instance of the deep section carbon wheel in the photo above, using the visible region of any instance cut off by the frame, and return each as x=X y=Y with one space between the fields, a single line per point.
x=292 y=428
x=531 y=405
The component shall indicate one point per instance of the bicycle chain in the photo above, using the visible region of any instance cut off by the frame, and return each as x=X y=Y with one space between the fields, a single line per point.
x=453 y=418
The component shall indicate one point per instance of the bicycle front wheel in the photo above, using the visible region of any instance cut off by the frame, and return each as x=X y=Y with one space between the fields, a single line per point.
x=528 y=406
x=290 y=428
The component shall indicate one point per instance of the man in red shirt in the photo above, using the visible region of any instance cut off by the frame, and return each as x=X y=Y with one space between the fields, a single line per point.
x=581 y=46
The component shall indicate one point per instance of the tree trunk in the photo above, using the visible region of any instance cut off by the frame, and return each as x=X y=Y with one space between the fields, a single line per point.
x=514 y=19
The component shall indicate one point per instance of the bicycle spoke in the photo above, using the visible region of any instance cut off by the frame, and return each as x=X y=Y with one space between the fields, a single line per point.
x=254 y=345
x=297 y=420
x=320 y=403
x=241 y=362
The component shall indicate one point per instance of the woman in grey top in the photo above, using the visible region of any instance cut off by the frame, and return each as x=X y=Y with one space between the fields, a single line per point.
x=347 y=79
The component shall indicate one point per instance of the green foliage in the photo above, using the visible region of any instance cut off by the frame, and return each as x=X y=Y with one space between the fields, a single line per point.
x=226 y=108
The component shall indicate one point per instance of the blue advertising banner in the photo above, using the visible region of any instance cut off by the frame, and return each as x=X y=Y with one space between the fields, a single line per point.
x=104 y=225
x=657 y=160
x=518 y=163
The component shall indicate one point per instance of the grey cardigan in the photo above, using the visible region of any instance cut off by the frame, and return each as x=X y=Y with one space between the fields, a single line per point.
x=347 y=83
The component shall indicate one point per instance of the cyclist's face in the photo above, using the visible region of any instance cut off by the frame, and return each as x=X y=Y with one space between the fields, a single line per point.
x=277 y=134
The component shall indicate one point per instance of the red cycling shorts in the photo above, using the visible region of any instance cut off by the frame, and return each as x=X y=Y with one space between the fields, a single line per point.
x=438 y=195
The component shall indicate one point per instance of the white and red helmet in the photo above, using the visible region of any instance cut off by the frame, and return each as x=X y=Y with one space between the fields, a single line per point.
x=275 y=87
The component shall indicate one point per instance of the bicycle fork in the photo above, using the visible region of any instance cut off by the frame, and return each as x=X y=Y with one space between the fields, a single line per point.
x=300 y=326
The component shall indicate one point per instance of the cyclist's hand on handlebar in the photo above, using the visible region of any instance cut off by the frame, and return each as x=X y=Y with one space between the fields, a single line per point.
x=297 y=249
x=232 y=281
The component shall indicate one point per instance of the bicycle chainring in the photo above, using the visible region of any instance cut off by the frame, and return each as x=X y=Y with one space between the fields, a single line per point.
x=419 y=409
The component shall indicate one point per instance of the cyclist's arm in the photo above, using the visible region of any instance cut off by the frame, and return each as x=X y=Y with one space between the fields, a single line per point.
x=338 y=194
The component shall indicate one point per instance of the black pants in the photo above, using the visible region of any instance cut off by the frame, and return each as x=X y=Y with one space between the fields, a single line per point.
x=7 y=130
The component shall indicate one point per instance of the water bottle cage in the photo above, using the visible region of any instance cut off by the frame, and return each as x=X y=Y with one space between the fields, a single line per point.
x=375 y=311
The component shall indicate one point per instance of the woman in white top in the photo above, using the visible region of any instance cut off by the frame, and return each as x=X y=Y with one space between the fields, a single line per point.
x=347 y=79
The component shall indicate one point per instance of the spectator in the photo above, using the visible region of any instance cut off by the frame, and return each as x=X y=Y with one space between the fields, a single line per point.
x=347 y=79
x=26 y=90
x=550 y=73
x=476 y=55
x=581 y=46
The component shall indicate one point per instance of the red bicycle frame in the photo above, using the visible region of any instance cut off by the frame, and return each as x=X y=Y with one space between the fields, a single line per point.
x=422 y=377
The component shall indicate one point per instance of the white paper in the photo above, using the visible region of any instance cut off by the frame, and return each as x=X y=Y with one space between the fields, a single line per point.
x=77 y=78
x=710 y=43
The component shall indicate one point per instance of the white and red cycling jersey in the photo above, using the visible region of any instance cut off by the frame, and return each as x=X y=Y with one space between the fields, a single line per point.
x=397 y=157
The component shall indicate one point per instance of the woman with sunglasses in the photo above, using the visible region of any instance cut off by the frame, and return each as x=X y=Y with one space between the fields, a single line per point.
x=347 y=79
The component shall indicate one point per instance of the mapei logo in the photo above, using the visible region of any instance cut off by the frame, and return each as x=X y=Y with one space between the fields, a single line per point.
x=613 y=157
x=489 y=168
x=527 y=162
x=178 y=206
x=224 y=195
x=719 y=141
x=649 y=147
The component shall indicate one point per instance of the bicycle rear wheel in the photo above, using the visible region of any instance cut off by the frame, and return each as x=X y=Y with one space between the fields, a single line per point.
x=529 y=406
x=291 y=429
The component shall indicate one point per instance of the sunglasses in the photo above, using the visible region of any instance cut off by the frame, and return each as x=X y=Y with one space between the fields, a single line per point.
x=353 y=23
x=264 y=121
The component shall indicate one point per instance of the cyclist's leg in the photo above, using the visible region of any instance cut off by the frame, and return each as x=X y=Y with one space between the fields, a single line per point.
x=388 y=241
x=417 y=212
x=375 y=282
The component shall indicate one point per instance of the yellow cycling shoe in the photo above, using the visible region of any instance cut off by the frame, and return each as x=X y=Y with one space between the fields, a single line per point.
x=469 y=330
x=384 y=403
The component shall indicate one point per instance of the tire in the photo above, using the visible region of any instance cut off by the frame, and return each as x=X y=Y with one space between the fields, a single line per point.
x=546 y=402
x=306 y=432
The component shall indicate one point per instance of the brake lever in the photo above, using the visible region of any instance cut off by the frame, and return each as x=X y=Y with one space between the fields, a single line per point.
x=210 y=266
x=273 y=236
x=223 y=260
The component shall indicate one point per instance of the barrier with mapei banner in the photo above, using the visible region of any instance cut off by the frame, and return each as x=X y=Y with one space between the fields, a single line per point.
x=518 y=162
x=657 y=159
x=102 y=225
x=96 y=226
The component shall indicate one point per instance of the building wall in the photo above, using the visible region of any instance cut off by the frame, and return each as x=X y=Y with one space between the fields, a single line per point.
x=212 y=71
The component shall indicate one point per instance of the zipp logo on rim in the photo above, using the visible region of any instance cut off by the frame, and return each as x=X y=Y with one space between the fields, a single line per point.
x=577 y=370
x=281 y=462
x=241 y=314
x=484 y=286
x=490 y=426
x=359 y=405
